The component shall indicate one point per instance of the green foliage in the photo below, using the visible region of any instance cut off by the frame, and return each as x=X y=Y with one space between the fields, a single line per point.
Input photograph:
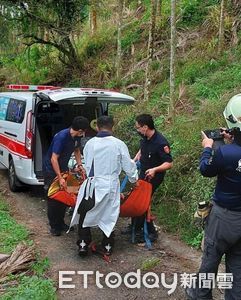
x=11 y=233
x=138 y=76
x=196 y=241
x=41 y=266
x=94 y=47
x=194 y=12
x=212 y=20
x=216 y=84
x=209 y=77
x=155 y=65
x=61 y=16
x=191 y=71
x=6 y=34
x=130 y=37
x=49 y=23
x=75 y=82
x=35 y=287
x=3 y=205
x=177 y=218
x=32 y=288
x=30 y=66
x=89 y=45
x=104 y=70
x=125 y=128
x=158 y=97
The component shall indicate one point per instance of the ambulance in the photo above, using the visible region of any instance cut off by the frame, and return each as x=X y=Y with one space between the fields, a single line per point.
x=29 y=120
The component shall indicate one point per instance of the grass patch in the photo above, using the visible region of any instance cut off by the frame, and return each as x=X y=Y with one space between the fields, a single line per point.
x=150 y=263
x=194 y=12
x=218 y=83
x=31 y=288
x=11 y=233
x=177 y=218
x=35 y=286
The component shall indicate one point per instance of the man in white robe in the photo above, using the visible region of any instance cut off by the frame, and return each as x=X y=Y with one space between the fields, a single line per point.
x=98 y=202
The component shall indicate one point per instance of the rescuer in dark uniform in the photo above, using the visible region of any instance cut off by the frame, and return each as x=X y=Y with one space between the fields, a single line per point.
x=223 y=225
x=56 y=160
x=155 y=158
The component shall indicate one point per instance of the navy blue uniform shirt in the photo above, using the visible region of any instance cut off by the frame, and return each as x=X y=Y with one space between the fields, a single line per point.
x=154 y=152
x=62 y=144
x=225 y=163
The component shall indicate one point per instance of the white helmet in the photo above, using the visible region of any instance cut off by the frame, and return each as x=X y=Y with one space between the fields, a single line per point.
x=232 y=112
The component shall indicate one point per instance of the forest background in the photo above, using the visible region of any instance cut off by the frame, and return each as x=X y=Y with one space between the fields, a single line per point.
x=179 y=59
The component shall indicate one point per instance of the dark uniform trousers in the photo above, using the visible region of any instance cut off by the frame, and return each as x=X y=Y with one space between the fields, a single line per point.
x=55 y=209
x=84 y=233
x=222 y=236
x=139 y=221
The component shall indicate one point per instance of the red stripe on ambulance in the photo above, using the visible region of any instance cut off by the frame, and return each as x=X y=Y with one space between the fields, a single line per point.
x=14 y=147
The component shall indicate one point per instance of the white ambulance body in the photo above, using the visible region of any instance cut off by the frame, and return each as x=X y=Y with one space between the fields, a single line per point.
x=29 y=120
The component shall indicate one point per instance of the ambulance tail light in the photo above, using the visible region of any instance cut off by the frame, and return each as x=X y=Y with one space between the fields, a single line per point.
x=29 y=135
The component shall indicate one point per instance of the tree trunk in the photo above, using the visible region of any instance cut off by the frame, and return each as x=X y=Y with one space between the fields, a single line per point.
x=93 y=19
x=172 y=60
x=73 y=60
x=236 y=8
x=119 y=50
x=158 y=9
x=221 y=28
x=150 y=49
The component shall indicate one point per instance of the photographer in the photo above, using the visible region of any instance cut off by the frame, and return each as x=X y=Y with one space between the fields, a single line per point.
x=223 y=226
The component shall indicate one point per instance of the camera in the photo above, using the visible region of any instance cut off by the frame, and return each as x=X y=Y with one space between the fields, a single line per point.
x=214 y=134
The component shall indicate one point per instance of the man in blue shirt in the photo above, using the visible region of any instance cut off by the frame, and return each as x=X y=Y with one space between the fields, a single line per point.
x=223 y=225
x=56 y=161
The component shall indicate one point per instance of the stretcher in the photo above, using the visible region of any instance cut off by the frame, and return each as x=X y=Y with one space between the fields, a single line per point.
x=137 y=203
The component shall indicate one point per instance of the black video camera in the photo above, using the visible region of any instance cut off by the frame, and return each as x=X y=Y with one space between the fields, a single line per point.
x=214 y=134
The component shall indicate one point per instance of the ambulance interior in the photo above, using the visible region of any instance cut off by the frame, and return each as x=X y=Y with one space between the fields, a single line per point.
x=51 y=117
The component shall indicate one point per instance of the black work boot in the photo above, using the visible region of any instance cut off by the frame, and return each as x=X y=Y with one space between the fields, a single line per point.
x=108 y=244
x=83 y=247
x=55 y=232
x=65 y=228
x=84 y=240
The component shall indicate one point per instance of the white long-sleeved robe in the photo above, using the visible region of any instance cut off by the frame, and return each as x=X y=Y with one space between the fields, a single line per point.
x=109 y=156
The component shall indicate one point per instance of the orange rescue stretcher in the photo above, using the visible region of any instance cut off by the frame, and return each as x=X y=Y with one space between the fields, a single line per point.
x=136 y=204
x=69 y=196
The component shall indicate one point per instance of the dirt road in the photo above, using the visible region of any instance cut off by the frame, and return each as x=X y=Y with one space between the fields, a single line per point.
x=170 y=256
